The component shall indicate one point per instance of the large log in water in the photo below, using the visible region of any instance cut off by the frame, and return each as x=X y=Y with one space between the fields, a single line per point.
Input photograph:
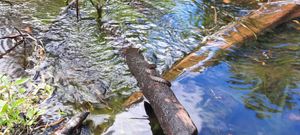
x=171 y=115
x=247 y=28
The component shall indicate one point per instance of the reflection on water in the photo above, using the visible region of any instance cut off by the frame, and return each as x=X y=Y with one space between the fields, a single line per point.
x=254 y=90
x=126 y=120
x=272 y=74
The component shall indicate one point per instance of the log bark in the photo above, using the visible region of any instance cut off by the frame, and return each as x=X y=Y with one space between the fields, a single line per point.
x=171 y=115
x=247 y=28
x=74 y=123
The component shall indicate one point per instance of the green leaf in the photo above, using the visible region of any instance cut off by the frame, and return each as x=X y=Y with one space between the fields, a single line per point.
x=18 y=102
x=21 y=81
x=30 y=113
x=22 y=90
x=30 y=122
x=3 y=106
x=48 y=88
x=4 y=80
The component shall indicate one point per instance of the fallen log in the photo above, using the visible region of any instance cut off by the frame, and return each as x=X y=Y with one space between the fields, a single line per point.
x=74 y=123
x=247 y=28
x=172 y=116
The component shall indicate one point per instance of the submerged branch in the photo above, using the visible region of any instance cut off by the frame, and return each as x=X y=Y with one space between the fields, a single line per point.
x=247 y=28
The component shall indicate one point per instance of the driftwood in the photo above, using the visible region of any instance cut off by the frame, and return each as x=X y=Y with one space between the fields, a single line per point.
x=171 y=115
x=74 y=123
x=247 y=28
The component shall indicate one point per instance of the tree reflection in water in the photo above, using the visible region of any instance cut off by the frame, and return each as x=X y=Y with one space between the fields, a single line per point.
x=270 y=69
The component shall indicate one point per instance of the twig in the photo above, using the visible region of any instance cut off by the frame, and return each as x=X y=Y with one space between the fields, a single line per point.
x=67 y=2
x=67 y=7
x=245 y=26
x=17 y=44
x=23 y=40
x=99 y=8
x=215 y=15
x=77 y=10
x=10 y=49
x=7 y=2
x=93 y=4
x=51 y=124
x=12 y=36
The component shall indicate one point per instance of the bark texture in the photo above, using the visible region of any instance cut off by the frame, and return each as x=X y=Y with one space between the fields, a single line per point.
x=72 y=125
x=171 y=115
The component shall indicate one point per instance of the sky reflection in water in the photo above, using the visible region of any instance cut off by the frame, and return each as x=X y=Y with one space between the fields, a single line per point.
x=248 y=92
x=237 y=96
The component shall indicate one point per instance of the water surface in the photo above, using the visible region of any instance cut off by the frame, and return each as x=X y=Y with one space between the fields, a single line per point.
x=253 y=89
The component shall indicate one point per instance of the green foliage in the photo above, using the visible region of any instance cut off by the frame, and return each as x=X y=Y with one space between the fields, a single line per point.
x=18 y=107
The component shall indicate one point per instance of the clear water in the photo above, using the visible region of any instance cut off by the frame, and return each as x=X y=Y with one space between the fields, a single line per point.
x=253 y=89
x=247 y=92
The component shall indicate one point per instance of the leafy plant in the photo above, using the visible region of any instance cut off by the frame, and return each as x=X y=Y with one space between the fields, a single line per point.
x=18 y=109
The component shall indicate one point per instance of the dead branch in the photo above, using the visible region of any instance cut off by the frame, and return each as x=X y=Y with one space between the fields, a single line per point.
x=22 y=41
x=12 y=36
x=51 y=124
x=20 y=38
x=12 y=48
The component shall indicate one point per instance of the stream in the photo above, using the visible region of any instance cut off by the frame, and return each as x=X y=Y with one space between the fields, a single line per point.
x=251 y=89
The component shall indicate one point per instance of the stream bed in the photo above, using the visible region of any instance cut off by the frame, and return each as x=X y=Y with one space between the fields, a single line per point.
x=251 y=89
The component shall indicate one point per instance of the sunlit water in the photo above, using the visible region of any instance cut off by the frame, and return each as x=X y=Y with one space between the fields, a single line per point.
x=253 y=89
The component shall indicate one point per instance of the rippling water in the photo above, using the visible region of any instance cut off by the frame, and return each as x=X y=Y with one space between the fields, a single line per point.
x=250 y=90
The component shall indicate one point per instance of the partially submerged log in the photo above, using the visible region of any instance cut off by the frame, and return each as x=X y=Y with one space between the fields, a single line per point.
x=247 y=28
x=171 y=115
x=73 y=124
